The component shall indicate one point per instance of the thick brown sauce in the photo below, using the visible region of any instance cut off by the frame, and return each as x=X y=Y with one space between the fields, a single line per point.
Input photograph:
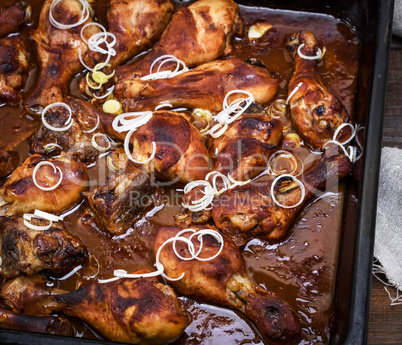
x=302 y=268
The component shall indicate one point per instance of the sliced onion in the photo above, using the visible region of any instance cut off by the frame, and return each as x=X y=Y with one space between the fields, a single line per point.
x=302 y=188
x=293 y=92
x=128 y=153
x=122 y=124
x=46 y=215
x=163 y=105
x=108 y=92
x=51 y=147
x=27 y=217
x=318 y=56
x=291 y=156
x=68 y=122
x=168 y=73
x=94 y=128
x=91 y=24
x=68 y=275
x=55 y=168
x=335 y=142
x=338 y=130
x=84 y=15
x=97 y=146
x=217 y=130
x=277 y=109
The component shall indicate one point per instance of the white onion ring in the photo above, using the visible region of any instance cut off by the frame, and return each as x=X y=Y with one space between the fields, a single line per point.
x=315 y=57
x=121 y=124
x=27 y=217
x=55 y=168
x=108 y=92
x=84 y=15
x=292 y=157
x=302 y=188
x=68 y=122
x=338 y=130
x=97 y=146
x=293 y=92
x=128 y=152
x=168 y=73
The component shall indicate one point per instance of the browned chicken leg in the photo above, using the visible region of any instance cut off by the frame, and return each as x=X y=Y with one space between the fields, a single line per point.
x=243 y=150
x=13 y=16
x=22 y=294
x=249 y=211
x=14 y=60
x=41 y=324
x=139 y=311
x=315 y=111
x=28 y=251
x=137 y=24
x=197 y=34
x=223 y=280
x=204 y=87
x=25 y=196
x=58 y=53
x=75 y=141
x=117 y=203
x=180 y=152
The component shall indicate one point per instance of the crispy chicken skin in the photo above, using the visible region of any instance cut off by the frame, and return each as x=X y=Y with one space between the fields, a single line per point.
x=28 y=251
x=76 y=141
x=203 y=87
x=25 y=196
x=14 y=60
x=21 y=294
x=315 y=111
x=41 y=324
x=9 y=160
x=117 y=203
x=248 y=211
x=138 y=311
x=13 y=16
x=197 y=34
x=243 y=150
x=180 y=152
x=58 y=54
x=223 y=280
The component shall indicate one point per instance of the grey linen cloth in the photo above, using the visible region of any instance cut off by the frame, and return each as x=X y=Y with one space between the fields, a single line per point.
x=388 y=237
x=397 y=23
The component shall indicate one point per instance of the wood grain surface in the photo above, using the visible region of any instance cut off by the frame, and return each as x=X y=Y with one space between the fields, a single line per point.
x=385 y=323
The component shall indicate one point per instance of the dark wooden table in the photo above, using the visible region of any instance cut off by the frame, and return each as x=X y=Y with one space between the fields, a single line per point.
x=385 y=325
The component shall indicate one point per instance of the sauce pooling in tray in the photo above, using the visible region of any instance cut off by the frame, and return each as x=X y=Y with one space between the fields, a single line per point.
x=300 y=268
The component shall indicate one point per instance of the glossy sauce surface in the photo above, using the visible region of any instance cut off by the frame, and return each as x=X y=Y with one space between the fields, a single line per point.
x=301 y=269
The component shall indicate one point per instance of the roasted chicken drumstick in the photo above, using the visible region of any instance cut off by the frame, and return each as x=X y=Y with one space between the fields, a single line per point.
x=223 y=280
x=249 y=211
x=203 y=87
x=28 y=251
x=197 y=34
x=58 y=53
x=138 y=311
x=41 y=324
x=315 y=111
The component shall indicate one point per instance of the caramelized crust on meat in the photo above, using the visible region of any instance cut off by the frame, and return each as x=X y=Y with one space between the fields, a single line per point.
x=223 y=280
x=138 y=311
x=315 y=111
x=25 y=196
x=14 y=60
x=244 y=149
x=13 y=16
x=28 y=251
x=203 y=87
x=122 y=199
x=197 y=34
x=9 y=160
x=77 y=140
x=249 y=211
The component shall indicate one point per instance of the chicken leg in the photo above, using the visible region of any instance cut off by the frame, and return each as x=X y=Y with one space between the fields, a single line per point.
x=315 y=111
x=13 y=16
x=139 y=311
x=223 y=280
